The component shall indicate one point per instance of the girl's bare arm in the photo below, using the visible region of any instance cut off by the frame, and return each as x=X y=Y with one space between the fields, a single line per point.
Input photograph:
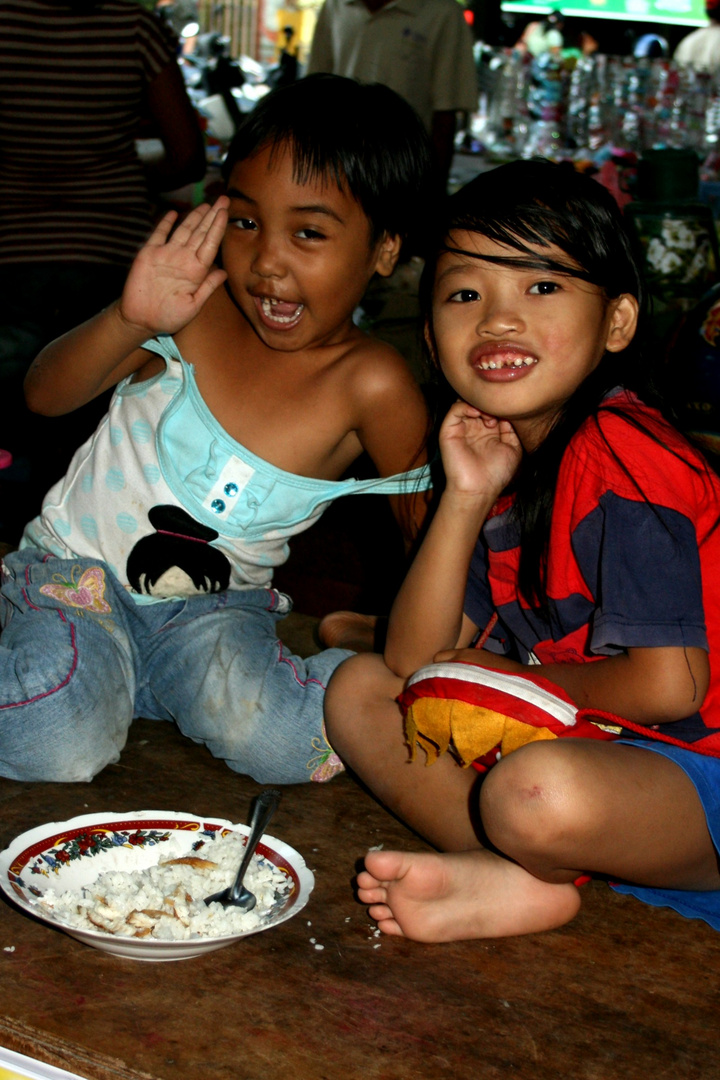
x=644 y=685
x=169 y=281
x=428 y=611
x=480 y=457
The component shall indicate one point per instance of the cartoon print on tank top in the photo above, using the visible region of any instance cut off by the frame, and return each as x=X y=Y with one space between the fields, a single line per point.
x=177 y=559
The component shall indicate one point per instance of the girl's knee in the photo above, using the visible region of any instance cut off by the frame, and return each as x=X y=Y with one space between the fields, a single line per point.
x=532 y=798
x=357 y=674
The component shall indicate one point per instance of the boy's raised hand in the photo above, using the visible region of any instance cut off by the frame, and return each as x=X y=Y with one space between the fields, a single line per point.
x=173 y=274
x=480 y=453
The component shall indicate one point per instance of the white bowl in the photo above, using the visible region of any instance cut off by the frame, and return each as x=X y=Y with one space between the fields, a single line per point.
x=71 y=854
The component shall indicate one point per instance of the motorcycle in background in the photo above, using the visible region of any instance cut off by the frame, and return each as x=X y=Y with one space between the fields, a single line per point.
x=223 y=89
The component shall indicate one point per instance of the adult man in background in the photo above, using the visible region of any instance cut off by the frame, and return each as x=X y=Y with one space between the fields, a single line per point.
x=701 y=48
x=80 y=80
x=422 y=49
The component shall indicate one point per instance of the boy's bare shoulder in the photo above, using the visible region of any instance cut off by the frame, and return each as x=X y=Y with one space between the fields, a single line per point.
x=386 y=406
x=378 y=368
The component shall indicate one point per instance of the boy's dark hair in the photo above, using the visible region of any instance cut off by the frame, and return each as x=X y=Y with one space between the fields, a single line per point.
x=364 y=136
x=541 y=203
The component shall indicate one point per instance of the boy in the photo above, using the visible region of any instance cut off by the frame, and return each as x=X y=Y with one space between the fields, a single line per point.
x=222 y=440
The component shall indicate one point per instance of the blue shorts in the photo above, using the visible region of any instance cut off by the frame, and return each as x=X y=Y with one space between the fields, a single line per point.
x=705 y=774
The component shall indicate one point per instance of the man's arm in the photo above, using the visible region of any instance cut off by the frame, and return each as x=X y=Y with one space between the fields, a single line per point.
x=442 y=137
x=454 y=85
x=178 y=128
x=321 y=58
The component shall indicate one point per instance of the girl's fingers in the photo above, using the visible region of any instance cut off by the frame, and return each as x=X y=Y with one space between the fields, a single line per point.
x=506 y=428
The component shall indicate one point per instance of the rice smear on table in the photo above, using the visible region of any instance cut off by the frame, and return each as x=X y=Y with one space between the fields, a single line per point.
x=167 y=901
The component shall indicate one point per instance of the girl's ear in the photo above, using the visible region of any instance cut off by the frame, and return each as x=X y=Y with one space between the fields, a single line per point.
x=623 y=322
x=388 y=254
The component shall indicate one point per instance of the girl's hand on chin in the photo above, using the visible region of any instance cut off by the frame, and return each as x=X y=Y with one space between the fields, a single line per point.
x=480 y=452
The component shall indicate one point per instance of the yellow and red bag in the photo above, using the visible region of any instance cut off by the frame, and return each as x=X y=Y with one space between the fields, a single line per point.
x=479 y=714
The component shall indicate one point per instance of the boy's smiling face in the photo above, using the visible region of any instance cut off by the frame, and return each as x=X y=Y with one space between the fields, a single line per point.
x=298 y=256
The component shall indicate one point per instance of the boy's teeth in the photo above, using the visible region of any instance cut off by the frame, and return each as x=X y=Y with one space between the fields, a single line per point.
x=518 y=362
x=280 y=310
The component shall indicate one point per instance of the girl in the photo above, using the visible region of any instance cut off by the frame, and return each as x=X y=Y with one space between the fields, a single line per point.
x=593 y=583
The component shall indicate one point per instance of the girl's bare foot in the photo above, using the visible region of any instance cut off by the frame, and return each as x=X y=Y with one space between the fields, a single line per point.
x=348 y=630
x=453 y=897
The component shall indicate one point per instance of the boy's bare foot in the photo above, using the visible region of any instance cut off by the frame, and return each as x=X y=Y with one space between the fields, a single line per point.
x=348 y=630
x=453 y=897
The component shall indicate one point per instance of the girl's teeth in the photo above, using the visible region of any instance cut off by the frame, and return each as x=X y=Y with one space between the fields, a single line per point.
x=269 y=304
x=518 y=362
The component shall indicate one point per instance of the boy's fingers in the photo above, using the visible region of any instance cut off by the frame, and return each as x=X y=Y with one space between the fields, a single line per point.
x=212 y=237
x=161 y=231
x=197 y=216
x=190 y=223
x=209 y=285
x=201 y=231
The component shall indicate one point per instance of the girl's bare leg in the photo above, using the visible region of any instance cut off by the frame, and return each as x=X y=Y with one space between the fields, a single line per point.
x=364 y=726
x=556 y=808
x=431 y=897
x=562 y=807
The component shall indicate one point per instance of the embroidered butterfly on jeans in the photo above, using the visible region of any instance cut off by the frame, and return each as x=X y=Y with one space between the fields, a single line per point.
x=326 y=762
x=87 y=593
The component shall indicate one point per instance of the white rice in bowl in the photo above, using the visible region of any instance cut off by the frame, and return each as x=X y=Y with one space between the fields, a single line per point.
x=167 y=901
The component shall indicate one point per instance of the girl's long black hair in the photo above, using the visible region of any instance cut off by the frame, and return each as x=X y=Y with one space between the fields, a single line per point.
x=540 y=203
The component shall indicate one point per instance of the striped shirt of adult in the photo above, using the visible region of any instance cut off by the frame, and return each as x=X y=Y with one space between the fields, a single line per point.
x=73 y=80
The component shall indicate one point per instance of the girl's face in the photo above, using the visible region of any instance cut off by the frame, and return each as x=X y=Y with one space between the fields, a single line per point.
x=517 y=343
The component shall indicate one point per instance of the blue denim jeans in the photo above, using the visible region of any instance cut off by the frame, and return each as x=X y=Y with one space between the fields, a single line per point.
x=79 y=658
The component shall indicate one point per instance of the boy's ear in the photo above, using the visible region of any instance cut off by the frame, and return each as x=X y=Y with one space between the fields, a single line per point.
x=388 y=254
x=623 y=322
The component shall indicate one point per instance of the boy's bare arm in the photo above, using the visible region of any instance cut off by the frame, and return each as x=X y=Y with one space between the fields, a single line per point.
x=393 y=420
x=169 y=281
x=393 y=427
x=78 y=366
